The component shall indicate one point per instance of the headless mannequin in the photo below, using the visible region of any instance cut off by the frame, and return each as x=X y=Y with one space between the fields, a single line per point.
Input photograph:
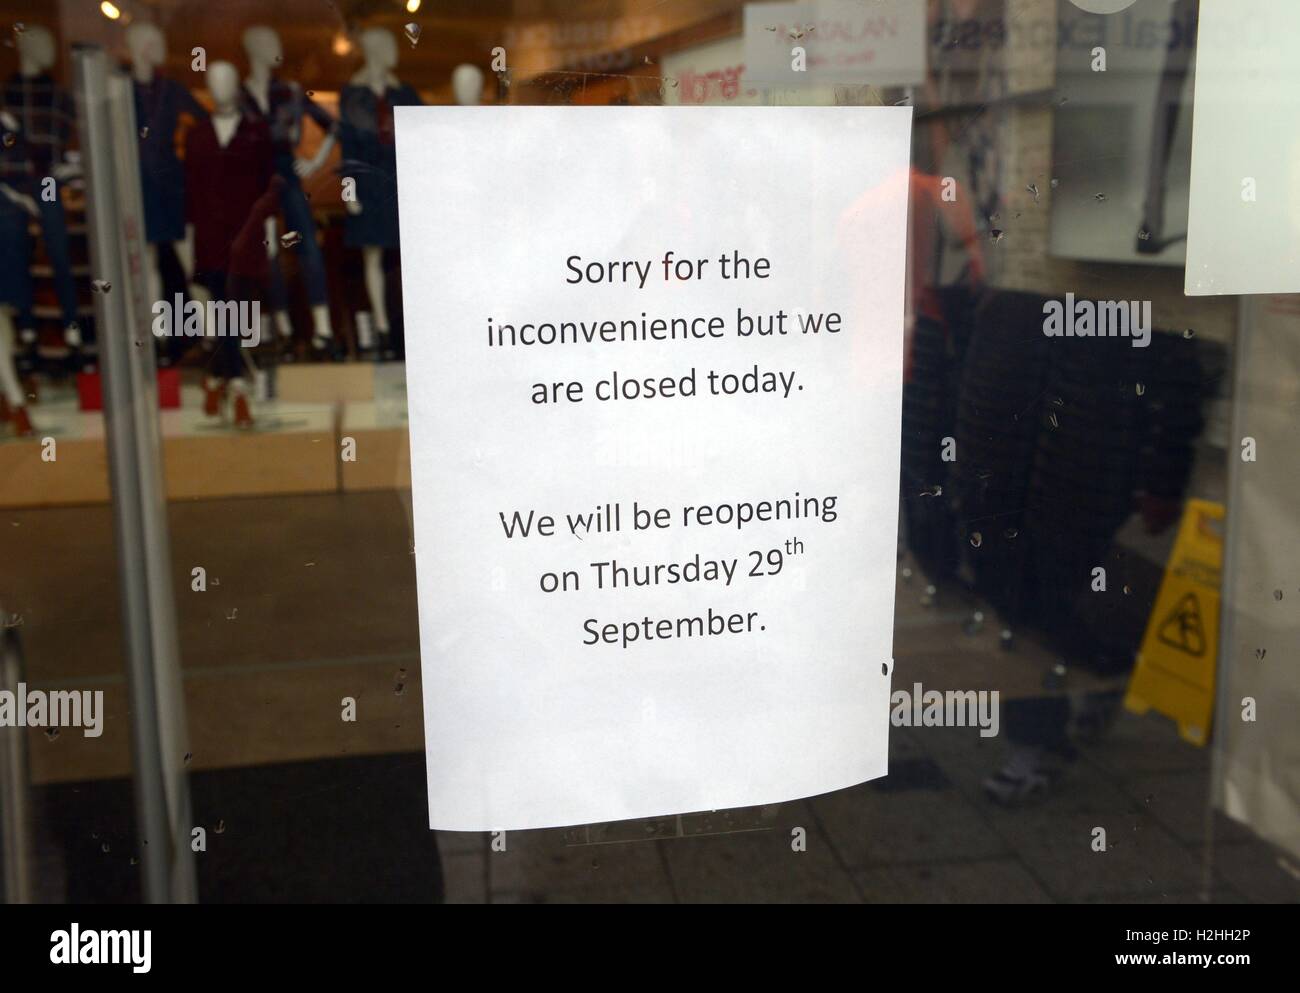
x=367 y=130
x=264 y=52
x=159 y=103
x=36 y=56
x=227 y=115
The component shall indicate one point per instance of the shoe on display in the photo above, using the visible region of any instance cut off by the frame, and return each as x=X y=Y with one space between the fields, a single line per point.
x=1027 y=775
x=213 y=393
x=243 y=415
x=22 y=423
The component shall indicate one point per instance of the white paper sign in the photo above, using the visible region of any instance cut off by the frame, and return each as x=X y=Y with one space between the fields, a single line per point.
x=1243 y=223
x=701 y=613
x=842 y=41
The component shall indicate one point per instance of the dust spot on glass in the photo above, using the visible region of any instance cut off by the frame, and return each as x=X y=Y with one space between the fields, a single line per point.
x=220 y=827
x=995 y=235
x=234 y=613
x=1033 y=188
x=1099 y=197
x=1010 y=534
x=1141 y=389
x=144 y=132
x=10 y=139
x=52 y=733
x=927 y=598
x=290 y=238
x=412 y=32
x=1260 y=652
x=189 y=757
x=1051 y=417
x=976 y=539
x=933 y=491
x=101 y=285
x=1189 y=333
x=1055 y=183
x=1127 y=589
x=1277 y=594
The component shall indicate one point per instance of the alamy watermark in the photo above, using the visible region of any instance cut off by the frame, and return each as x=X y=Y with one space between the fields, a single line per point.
x=213 y=319
x=26 y=708
x=1098 y=319
x=949 y=709
x=102 y=947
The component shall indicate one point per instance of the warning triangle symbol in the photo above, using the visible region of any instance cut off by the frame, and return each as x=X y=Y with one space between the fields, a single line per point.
x=1182 y=629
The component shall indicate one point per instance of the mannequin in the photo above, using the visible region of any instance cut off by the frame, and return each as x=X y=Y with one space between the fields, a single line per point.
x=282 y=106
x=41 y=116
x=467 y=84
x=228 y=172
x=369 y=158
x=15 y=294
x=159 y=103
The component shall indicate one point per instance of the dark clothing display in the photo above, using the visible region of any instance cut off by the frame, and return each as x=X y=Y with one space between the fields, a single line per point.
x=221 y=186
x=370 y=158
x=159 y=105
x=45 y=117
x=15 y=254
x=287 y=104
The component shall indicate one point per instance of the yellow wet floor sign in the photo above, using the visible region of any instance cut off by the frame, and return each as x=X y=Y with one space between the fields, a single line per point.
x=1175 y=665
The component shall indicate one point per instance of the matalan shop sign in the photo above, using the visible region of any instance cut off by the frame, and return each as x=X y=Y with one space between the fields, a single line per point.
x=844 y=42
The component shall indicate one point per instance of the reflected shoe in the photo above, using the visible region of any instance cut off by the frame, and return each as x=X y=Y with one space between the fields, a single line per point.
x=22 y=423
x=214 y=392
x=243 y=415
x=1027 y=775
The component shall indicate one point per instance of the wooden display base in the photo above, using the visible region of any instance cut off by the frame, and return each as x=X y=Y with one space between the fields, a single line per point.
x=290 y=449
x=342 y=382
x=383 y=447
x=79 y=471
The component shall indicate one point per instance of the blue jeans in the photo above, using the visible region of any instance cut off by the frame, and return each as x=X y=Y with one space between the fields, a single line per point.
x=297 y=217
x=54 y=232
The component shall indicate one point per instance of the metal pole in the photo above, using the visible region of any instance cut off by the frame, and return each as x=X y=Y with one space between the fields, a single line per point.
x=15 y=801
x=115 y=225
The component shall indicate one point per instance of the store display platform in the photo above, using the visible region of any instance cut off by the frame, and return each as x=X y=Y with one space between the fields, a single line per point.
x=295 y=445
